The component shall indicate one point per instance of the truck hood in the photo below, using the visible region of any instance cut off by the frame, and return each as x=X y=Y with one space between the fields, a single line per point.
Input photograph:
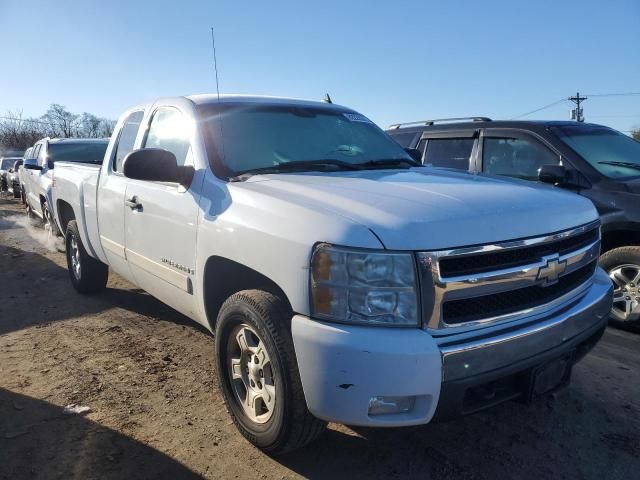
x=425 y=208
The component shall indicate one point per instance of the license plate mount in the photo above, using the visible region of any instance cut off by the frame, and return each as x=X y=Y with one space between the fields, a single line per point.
x=550 y=376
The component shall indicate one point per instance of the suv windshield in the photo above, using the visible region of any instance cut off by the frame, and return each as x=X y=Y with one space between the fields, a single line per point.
x=272 y=138
x=612 y=153
x=81 y=152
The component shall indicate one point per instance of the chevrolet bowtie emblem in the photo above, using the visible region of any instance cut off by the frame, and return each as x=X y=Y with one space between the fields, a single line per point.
x=551 y=271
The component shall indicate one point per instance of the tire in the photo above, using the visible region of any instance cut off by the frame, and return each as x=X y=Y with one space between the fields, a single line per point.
x=286 y=424
x=91 y=275
x=48 y=222
x=16 y=192
x=623 y=266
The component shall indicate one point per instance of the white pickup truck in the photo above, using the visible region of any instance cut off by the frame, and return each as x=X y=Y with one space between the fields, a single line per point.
x=342 y=281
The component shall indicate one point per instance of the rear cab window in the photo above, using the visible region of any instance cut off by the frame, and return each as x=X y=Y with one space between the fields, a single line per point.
x=78 y=152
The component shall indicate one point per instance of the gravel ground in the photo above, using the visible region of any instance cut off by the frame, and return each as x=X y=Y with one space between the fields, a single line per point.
x=146 y=374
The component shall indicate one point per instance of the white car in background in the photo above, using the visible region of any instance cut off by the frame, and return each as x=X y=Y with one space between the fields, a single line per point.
x=38 y=170
x=6 y=165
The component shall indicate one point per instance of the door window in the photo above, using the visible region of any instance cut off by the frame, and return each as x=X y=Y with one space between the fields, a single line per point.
x=449 y=152
x=168 y=131
x=516 y=157
x=127 y=139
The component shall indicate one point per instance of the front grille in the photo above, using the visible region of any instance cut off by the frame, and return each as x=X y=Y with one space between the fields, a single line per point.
x=492 y=261
x=503 y=303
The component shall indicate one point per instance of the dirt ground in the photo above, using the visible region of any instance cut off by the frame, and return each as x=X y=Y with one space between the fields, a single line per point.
x=146 y=373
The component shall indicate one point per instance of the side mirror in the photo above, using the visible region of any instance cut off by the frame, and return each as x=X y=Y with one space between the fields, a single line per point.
x=31 y=164
x=156 y=165
x=415 y=154
x=554 y=174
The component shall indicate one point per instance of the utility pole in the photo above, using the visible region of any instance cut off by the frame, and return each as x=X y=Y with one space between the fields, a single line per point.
x=576 y=113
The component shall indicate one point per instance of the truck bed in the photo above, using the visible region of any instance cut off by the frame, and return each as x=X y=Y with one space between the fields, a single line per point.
x=75 y=186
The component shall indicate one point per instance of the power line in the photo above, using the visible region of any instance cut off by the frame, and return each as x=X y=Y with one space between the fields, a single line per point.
x=540 y=109
x=622 y=94
x=626 y=94
x=18 y=119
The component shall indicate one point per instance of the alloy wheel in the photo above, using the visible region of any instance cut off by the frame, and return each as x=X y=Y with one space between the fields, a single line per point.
x=251 y=373
x=75 y=257
x=626 y=292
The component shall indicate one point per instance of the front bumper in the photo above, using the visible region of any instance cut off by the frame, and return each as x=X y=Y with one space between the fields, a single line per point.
x=342 y=367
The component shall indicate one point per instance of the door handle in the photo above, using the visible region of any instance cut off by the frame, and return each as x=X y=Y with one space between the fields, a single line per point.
x=133 y=203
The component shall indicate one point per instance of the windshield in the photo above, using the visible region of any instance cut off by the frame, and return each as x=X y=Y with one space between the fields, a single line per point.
x=612 y=153
x=7 y=163
x=89 y=152
x=269 y=137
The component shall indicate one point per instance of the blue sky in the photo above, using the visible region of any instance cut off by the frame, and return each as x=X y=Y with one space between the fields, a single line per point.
x=393 y=61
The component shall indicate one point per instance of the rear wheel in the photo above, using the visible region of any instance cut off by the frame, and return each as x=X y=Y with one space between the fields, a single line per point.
x=623 y=266
x=258 y=373
x=48 y=222
x=87 y=274
x=16 y=192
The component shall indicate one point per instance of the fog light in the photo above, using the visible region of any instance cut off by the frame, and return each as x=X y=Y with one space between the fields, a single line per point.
x=388 y=405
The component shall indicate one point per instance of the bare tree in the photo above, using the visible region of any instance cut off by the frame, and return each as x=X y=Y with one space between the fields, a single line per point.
x=635 y=133
x=89 y=125
x=18 y=133
x=62 y=122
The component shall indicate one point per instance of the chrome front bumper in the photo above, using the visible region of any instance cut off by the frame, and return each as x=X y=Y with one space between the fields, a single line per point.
x=481 y=373
x=481 y=355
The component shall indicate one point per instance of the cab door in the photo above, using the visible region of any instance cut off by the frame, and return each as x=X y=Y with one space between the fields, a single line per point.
x=111 y=195
x=32 y=178
x=161 y=219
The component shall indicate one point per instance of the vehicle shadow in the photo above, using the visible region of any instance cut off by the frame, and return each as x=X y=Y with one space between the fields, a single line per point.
x=37 y=440
x=36 y=290
x=572 y=434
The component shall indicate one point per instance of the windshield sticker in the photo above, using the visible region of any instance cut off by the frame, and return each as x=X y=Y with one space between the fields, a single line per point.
x=356 y=117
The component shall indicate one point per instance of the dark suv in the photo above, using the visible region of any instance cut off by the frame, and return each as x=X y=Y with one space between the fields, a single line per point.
x=595 y=161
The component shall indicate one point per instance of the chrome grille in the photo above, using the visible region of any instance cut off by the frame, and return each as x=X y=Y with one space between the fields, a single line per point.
x=491 y=283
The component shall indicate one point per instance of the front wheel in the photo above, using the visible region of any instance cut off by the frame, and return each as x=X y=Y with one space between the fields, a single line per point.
x=623 y=266
x=258 y=373
x=87 y=274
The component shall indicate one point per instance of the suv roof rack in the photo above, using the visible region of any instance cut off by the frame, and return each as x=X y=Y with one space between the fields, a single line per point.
x=428 y=123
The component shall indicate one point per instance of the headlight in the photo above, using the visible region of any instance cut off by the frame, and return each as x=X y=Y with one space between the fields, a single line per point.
x=363 y=287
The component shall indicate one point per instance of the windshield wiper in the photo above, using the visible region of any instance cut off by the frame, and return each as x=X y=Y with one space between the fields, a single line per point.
x=327 y=164
x=391 y=162
x=622 y=164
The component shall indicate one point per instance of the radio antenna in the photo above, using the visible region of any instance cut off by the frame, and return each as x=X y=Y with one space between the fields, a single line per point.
x=215 y=62
x=215 y=66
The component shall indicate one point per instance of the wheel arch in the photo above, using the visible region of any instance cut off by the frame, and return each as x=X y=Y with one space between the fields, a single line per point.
x=619 y=238
x=65 y=214
x=224 y=277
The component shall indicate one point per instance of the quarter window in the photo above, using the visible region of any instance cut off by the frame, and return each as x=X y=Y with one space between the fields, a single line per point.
x=449 y=152
x=516 y=157
x=127 y=139
x=169 y=131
